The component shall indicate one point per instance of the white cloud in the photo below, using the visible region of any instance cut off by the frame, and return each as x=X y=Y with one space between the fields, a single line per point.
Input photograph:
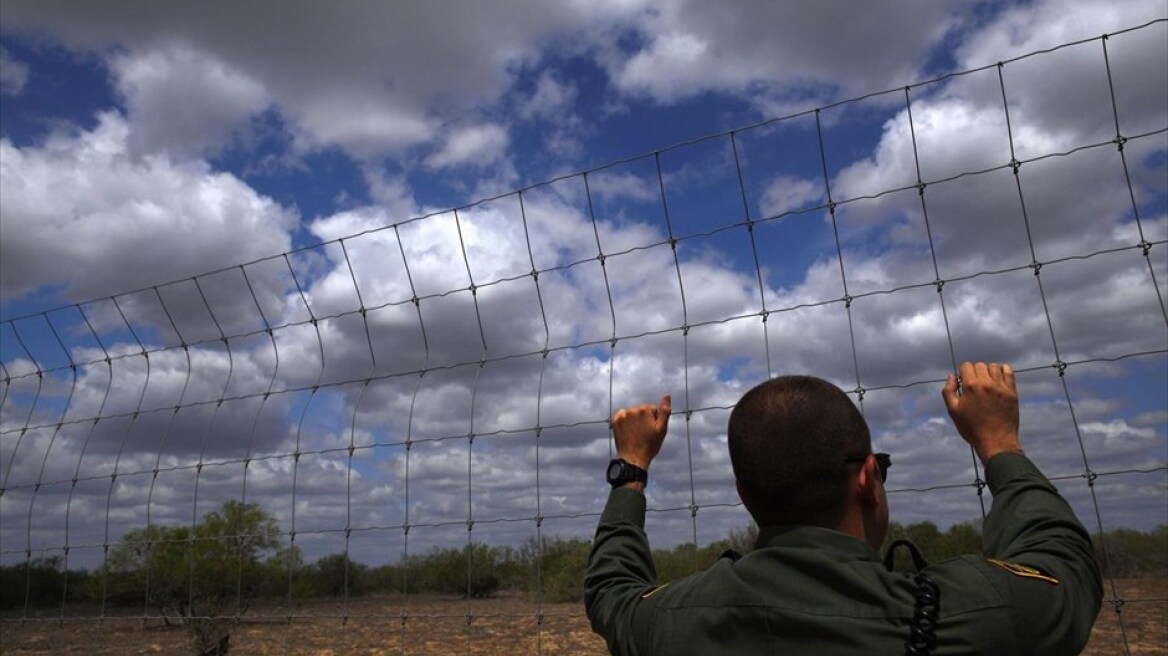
x=400 y=85
x=550 y=98
x=363 y=124
x=664 y=70
x=13 y=74
x=552 y=105
x=478 y=146
x=1075 y=204
x=625 y=185
x=1023 y=28
x=371 y=80
x=81 y=205
x=788 y=194
x=391 y=193
x=1118 y=430
x=182 y=100
x=761 y=49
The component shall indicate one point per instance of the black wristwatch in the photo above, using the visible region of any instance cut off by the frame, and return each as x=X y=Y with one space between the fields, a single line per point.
x=621 y=472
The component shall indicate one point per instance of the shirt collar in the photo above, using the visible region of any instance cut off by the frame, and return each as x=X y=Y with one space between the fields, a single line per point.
x=815 y=537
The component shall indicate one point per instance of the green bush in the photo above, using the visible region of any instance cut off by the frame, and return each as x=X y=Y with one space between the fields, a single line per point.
x=561 y=563
x=958 y=540
x=41 y=583
x=472 y=570
x=1134 y=553
x=336 y=575
x=685 y=559
x=201 y=577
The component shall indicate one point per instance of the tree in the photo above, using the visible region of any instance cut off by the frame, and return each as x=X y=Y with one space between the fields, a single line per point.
x=1131 y=553
x=470 y=570
x=201 y=577
x=961 y=539
x=337 y=575
x=561 y=562
x=958 y=540
x=40 y=583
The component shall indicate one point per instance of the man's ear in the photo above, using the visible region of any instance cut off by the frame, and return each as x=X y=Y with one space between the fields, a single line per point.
x=868 y=484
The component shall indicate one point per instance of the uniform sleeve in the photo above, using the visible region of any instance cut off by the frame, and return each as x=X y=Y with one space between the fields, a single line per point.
x=1031 y=525
x=620 y=570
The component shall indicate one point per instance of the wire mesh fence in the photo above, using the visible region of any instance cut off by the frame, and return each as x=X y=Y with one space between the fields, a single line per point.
x=440 y=385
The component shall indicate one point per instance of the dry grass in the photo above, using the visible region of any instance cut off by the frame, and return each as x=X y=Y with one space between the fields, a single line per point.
x=1144 y=623
x=488 y=627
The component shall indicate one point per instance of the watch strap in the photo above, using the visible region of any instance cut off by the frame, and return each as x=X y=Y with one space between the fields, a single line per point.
x=625 y=472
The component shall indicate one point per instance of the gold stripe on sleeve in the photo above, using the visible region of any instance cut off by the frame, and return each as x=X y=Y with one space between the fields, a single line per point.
x=1024 y=571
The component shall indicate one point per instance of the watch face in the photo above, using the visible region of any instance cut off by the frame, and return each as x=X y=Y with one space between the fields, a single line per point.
x=614 y=470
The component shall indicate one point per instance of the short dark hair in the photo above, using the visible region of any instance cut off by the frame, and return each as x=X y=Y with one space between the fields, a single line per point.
x=788 y=438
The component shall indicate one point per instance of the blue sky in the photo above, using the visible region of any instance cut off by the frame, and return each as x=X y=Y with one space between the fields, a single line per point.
x=186 y=178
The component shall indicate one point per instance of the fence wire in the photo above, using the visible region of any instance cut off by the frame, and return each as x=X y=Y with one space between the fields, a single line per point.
x=378 y=365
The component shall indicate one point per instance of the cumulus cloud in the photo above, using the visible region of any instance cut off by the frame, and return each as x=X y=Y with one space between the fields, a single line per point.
x=1020 y=29
x=397 y=79
x=1074 y=204
x=399 y=83
x=80 y=203
x=438 y=357
x=692 y=47
x=183 y=100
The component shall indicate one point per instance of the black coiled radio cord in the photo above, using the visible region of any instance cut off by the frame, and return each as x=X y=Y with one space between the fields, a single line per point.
x=922 y=637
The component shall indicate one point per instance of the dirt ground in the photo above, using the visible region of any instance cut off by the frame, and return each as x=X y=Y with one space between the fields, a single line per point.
x=504 y=625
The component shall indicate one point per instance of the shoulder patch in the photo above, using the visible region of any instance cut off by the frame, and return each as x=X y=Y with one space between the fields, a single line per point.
x=1024 y=571
x=653 y=591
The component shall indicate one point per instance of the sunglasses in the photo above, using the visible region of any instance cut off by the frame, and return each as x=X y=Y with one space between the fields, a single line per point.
x=883 y=461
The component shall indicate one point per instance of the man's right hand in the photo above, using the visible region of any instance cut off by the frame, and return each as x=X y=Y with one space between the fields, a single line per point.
x=986 y=410
x=639 y=431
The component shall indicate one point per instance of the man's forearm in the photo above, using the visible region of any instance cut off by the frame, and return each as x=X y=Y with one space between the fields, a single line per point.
x=620 y=567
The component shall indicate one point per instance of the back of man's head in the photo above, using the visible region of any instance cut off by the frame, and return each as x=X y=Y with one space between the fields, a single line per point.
x=788 y=439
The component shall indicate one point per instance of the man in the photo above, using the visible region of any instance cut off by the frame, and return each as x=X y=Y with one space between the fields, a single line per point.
x=815 y=584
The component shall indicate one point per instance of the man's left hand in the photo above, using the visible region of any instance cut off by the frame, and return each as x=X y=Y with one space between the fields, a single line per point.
x=640 y=430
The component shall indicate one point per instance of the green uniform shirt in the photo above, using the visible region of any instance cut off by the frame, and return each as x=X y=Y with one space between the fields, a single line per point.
x=811 y=590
